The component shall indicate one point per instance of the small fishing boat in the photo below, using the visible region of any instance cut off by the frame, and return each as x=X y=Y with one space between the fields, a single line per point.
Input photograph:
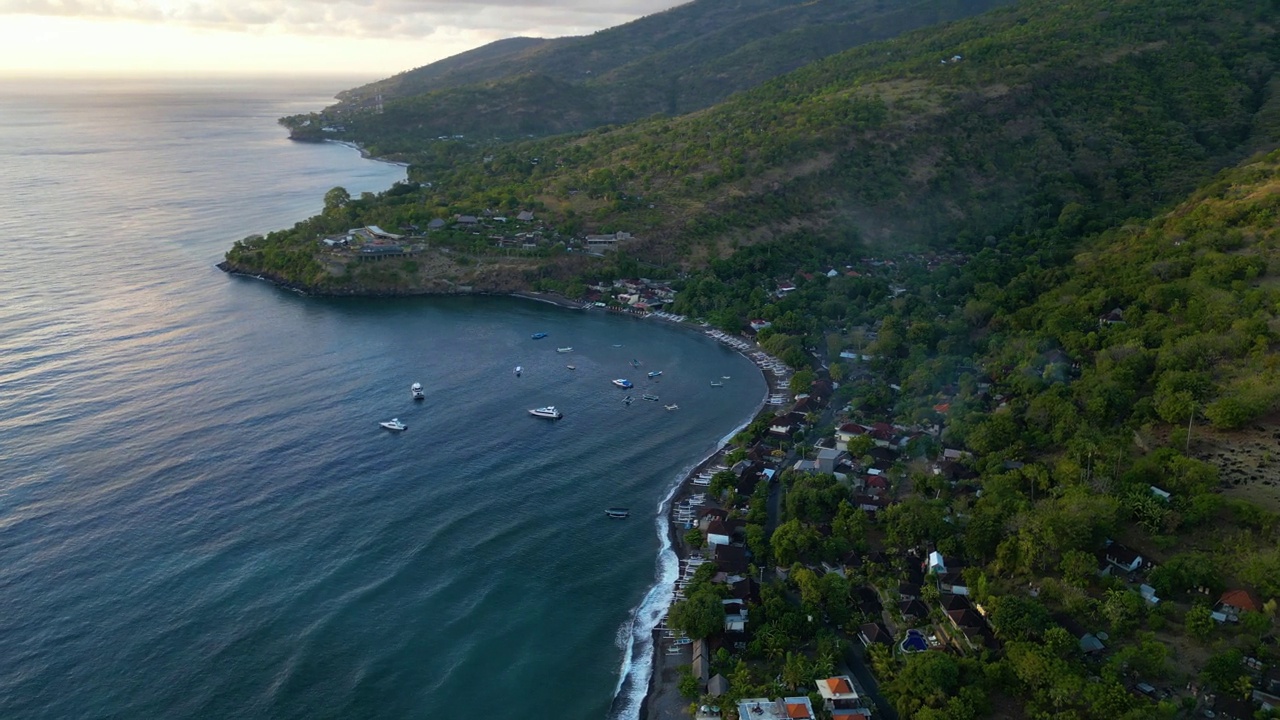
x=617 y=345
x=538 y=336
x=572 y=367
x=416 y=391
x=724 y=377
x=617 y=512
x=635 y=363
x=716 y=383
x=549 y=412
x=394 y=424
x=564 y=349
x=655 y=374
x=623 y=383
x=647 y=396
x=519 y=370
x=672 y=407
x=626 y=400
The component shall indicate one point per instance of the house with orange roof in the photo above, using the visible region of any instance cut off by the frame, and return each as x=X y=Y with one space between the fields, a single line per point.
x=798 y=708
x=1235 y=603
x=787 y=708
x=840 y=698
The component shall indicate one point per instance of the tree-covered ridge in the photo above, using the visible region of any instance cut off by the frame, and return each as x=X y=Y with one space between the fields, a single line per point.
x=672 y=62
x=1167 y=319
x=1057 y=118
x=1062 y=460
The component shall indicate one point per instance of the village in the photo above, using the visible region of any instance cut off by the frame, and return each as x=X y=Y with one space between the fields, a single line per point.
x=487 y=232
x=904 y=596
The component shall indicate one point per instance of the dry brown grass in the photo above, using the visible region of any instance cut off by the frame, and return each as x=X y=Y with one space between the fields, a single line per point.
x=1248 y=460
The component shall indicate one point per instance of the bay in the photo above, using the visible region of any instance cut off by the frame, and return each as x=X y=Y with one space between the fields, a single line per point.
x=199 y=515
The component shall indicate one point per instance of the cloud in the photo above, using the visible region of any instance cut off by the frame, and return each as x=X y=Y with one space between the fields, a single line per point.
x=391 y=19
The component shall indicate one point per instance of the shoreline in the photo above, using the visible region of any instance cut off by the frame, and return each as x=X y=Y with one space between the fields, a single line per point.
x=661 y=699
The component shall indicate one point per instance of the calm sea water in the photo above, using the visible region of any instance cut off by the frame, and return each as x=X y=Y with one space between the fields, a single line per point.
x=199 y=516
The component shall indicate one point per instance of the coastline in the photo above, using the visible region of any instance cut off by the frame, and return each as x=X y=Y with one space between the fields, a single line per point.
x=662 y=699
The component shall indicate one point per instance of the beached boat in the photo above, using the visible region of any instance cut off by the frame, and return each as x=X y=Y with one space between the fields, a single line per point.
x=416 y=391
x=623 y=383
x=519 y=370
x=394 y=424
x=538 y=336
x=716 y=383
x=672 y=407
x=655 y=374
x=617 y=512
x=549 y=412
x=564 y=349
x=647 y=396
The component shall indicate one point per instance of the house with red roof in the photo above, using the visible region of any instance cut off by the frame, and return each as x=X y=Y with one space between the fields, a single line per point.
x=1235 y=603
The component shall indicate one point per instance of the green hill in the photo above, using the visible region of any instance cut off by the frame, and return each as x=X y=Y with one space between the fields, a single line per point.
x=1066 y=117
x=672 y=62
x=1035 y=124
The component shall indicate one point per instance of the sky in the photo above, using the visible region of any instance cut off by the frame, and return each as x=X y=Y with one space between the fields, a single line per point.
x=374 y=38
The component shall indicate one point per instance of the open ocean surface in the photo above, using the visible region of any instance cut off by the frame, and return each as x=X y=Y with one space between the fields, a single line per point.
x=199 y=515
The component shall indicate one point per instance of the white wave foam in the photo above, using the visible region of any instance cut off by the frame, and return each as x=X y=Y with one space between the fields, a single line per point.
x=635 y=636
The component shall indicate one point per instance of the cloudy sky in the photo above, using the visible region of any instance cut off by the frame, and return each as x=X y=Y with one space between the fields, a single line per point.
x=364 y=37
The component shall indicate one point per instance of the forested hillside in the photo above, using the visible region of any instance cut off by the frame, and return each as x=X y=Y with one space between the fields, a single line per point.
x=1044 y=239
x=672 y=62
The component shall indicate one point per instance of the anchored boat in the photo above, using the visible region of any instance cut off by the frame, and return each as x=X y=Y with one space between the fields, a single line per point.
x=549 y=412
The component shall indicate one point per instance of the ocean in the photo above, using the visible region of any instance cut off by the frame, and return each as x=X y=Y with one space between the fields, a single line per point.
x=199 y=514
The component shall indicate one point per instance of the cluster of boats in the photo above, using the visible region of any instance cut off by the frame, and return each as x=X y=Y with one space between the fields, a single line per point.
x=549 y=412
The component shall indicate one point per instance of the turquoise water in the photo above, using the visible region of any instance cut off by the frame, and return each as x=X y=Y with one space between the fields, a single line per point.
x=199 y=515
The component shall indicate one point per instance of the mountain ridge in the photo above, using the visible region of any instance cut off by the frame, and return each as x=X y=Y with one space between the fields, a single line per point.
x=679 y=60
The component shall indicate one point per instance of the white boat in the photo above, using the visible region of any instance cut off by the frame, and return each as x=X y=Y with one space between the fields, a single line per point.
x=572 y=367
x=550 y=412
x=416 y=391
x=564 y=349
x=519 y=370
x=655 y=374
x=394 y=424
x=617 y=512
x=716 y=383
x=623 y=383
x=725 y=377
x=672 y=407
